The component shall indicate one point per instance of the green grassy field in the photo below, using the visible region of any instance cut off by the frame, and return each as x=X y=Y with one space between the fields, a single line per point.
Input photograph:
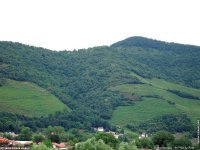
x=156 y=101
x=28 y=99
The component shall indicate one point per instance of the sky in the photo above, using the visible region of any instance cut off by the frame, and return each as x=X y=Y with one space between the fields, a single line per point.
x=77 y=24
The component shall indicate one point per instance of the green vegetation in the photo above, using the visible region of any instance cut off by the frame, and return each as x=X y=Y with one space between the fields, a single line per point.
x=92 y=144
x=25 y=134
x=142 y=111
x=40 y=147
x=108 y=138
x=163 y=138
x=156 y=99
x=134 y=74
x=182 y=142
x=144 y=143
x=170 y=122
x=28 y=99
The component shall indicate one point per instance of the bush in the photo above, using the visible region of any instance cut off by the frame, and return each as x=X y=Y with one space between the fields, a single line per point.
x=92 y=144
x=108 y=138
x=144 y=143
x=182 y=142
x=55 y=138
x=48 y=143
x=38 y=138
x=40 y=147
x=163 y=138
x=127 y=146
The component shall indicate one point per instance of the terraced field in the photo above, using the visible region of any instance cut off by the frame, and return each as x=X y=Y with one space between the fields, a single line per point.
x=28 y=99
x=157 y=97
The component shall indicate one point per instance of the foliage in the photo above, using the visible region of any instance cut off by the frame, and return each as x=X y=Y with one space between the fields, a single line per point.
x=182 y=142
x=108 y=138
x=55 y=138
x=144 y=143
x=127 y=146
x=8 y=136
x=25 y=134
x=47 y=143
x=171 y=123
x=128 y=137
x=40 y=147
x=10 y=122
x=184 y=94
x=92 y=144
x=162 y=138
x=38 y=138
x=2 y=81
x=53 y=130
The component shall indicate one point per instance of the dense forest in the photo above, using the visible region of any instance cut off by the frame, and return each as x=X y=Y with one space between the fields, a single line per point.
x=81 y=78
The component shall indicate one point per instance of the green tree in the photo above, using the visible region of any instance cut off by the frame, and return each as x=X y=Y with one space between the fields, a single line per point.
x=55 y=138
x=25 y=134
x=2 y=81
x=182 y=142
x=108 y=138
x=56 y=130
x=127 y=146
x=48 y=143
x=8 y=136
x=162 y=138
x=92 y=144
x=40 y=147
x=38 y=138
x=144 y=143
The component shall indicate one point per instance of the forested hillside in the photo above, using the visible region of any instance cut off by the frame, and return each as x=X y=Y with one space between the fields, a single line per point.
x=90 y=81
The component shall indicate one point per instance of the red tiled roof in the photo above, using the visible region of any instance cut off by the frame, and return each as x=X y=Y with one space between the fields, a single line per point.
x=61 y=145
x=3 y=140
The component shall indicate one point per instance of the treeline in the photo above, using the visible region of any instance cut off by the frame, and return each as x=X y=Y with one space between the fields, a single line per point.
x=79 y=120
x=171 y=123
x=183 y=94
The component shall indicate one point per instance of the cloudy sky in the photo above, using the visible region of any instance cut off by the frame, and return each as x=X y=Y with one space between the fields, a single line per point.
x=74 y=24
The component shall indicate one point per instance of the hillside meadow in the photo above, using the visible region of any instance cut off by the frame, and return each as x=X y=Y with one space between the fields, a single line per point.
x=28 y=99
x=155 y=100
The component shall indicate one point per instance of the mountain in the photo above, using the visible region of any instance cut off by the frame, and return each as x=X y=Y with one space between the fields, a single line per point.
x=171 y=61
x=137 y=77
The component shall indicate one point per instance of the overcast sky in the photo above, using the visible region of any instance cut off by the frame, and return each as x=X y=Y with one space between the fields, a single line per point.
x=74 y=24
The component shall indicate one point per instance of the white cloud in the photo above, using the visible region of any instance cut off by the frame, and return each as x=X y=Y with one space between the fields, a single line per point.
x=73 y=24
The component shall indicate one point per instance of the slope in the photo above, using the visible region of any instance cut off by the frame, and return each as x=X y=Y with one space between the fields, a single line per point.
x=157 y=97
x=28 y=99
x=82 y=79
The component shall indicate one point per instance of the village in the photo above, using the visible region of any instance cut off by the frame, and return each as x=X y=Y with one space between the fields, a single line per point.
x=26 y=145
x=8 y=144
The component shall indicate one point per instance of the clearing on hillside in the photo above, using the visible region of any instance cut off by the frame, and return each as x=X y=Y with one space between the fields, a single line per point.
x=28 y=99
x=158 y=97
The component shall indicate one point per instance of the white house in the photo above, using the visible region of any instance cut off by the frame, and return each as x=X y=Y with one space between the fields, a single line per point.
x=143 y=135
x=99 y=129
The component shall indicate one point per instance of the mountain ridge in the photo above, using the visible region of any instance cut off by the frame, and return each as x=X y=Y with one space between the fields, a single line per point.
x=82 y=79
x=148 y=42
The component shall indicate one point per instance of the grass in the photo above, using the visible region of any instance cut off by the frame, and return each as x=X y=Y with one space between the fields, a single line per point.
x=28 y=99
x=151 y=107
x=142 y=111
